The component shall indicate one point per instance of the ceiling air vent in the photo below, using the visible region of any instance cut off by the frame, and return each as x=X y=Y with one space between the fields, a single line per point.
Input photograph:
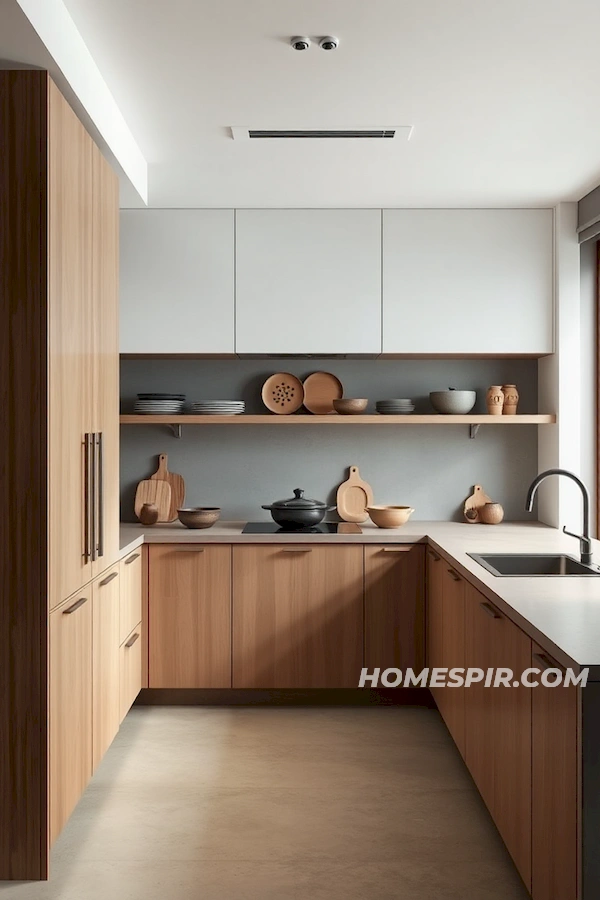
x=402 y=132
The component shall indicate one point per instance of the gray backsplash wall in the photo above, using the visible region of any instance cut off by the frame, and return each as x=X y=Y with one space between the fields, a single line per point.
x=240 y=467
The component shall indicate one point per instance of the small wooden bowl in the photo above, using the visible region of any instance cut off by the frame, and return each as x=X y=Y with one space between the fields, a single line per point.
x=390 y=516
x=350 y=407
x=199 y=516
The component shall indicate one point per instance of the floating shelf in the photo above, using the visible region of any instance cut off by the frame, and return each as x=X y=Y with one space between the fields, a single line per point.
x=474 y=421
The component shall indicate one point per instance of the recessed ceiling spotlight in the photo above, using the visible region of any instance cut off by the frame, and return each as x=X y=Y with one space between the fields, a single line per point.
x=329 y=43
x=300 y=43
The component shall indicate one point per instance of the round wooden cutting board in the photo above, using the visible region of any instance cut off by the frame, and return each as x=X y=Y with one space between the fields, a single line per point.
x=353 y=498
x=320 y=390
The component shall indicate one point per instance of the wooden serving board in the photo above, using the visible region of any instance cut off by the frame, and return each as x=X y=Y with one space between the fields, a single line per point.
x=353 y=497
x=177 y=486
x=474 y=503
x=156 y=492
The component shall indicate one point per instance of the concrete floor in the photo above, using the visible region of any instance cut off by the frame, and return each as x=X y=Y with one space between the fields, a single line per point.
x=287 y=803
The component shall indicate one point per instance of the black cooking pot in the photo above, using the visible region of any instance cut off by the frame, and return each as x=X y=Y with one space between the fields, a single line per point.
x=298 y=511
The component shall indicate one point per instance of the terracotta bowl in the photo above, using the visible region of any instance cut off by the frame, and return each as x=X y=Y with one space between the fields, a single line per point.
x=390 y=516
x=199 y=516
x=350 y=407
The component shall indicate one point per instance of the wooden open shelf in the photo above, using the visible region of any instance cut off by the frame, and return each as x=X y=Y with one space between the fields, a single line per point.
x=268 y=419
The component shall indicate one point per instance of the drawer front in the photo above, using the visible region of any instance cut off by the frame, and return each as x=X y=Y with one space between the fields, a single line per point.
x=131 y=593
x=131 y=669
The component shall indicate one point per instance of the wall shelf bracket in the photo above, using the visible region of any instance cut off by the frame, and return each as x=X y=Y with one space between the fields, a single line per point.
x=473 y=429
x=176 y=429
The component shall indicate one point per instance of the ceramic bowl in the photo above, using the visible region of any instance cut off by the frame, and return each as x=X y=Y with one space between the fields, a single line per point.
x=199 y=516
x=390 y=516
x=350 y=407
x=453 y=403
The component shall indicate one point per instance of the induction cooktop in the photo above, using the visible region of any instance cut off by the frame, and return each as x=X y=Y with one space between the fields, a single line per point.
x=323 y=528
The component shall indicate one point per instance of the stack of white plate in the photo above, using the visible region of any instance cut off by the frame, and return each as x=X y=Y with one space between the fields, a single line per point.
x=159 y=404
x=395 y=407
x=218 y=408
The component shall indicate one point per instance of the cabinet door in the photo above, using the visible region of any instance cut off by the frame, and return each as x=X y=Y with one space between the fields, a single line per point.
x=70 y=345
x=451 y=700
x=177 y=281
x=297 y=616
x=105 y=693
x=434 y=613
x=308 y=281
x=105 y=276
x=131 y=593
x=189 y=616
x=131 y=670
x=554 y=791
x=450 y=273
x=70 y=707
x=394 y=607
x=498 y=726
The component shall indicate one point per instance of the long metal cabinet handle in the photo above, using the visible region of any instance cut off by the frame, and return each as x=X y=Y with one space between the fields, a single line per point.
x=298 y=550
x=87 y=475
x=75 y=606
x=93 y=495
x=100 y=442
x=192 y=549
x=132 y=640
x=132 y=559
x=108 y=579
x=454 y=574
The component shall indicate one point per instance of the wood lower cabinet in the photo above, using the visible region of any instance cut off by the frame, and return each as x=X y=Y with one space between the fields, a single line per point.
x=105 y=694
x=130 y=661
x=70 y=749
x=189 y=617
x=297 y=616
x=555 y=795
x=394 y=606
x=498 y=725
x=446 y=641
x=131 y=573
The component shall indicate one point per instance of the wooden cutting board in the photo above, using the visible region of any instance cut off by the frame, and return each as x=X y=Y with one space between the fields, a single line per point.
x=474 y=503
x=177 y=486
x=156 y=492
x=353 y=497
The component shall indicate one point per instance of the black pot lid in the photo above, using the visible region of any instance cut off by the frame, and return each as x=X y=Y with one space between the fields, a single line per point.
x=298 y=501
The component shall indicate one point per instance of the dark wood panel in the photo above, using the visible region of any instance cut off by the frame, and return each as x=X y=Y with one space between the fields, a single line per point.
x=23 y=476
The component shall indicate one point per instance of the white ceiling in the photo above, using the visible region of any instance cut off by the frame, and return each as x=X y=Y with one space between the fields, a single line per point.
x=503 y=96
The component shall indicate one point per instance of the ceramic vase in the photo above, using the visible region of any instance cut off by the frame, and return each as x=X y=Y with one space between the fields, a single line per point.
x=511 y=399
x=148 y=514
x=491 y=514
x=494 y=400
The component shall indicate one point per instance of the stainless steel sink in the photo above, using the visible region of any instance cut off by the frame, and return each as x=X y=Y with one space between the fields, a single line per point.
x=526 y=565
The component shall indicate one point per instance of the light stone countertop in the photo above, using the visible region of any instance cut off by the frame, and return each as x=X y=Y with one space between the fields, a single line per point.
x=561 y=613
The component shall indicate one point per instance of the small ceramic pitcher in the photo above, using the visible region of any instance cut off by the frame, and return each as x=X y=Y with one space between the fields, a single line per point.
x=148 y=514
x=494 y=400
x=511 y=399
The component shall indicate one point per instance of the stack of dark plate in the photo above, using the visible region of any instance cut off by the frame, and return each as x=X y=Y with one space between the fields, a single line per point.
x=395 y=407
x=159 y=404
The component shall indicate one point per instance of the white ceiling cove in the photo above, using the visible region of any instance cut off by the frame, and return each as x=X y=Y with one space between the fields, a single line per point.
x=502 y=97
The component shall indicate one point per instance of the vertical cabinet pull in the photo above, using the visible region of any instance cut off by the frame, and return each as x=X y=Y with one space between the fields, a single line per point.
x=75 y=606
x=100 y=445
x=132 y=558
x=87 y=469
x=93 y=515
x=109 y=578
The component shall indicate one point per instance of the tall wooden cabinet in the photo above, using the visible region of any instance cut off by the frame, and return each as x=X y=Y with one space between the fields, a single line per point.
x=58 y=384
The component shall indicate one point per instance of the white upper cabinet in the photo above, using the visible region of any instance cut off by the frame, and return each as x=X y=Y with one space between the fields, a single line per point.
x=468 y=281
x=308 y=281
x=177 y=281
